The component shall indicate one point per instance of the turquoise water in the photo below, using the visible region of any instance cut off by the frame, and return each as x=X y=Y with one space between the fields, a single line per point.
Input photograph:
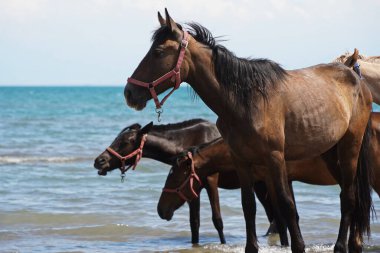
x=52 y=199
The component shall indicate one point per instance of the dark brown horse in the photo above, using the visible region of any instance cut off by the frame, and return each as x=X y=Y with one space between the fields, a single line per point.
x=214 y=158
x=162 y=143
x=267 y=115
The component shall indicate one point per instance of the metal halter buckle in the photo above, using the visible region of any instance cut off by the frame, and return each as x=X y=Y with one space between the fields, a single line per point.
x=184 y=43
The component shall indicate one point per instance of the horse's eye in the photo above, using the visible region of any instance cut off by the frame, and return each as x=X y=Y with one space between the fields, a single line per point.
x=158 y=53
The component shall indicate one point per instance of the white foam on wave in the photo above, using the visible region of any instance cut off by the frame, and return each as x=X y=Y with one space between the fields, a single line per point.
x=38 y=159
x=267 y=249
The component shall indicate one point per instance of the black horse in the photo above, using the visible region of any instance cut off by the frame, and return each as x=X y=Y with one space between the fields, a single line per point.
x=162 y=143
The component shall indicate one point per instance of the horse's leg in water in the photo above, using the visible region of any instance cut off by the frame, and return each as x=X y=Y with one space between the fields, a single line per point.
x=194 y=207
x=348 y=154
x=347 y=196
x=213 y=195
x=278 y=219
x=294 y=200
x=262 y=194
x=248 y=202
x=278 y=188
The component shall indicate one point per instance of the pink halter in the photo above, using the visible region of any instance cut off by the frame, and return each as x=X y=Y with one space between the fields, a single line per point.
x=190 y=180
x=174 y=74
x=138 y=153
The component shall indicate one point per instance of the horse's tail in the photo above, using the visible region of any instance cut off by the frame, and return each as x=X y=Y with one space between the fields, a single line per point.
x=363 y=188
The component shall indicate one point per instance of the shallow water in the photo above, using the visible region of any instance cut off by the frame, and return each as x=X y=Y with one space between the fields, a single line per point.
x=52 y=200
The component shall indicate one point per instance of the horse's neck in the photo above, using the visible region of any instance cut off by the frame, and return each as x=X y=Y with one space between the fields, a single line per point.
x=161 y=147
x=213 y=158
x=371 y=73
x=203 y=80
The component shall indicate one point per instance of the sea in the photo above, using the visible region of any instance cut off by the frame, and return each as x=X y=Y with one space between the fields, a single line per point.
x=52 y=199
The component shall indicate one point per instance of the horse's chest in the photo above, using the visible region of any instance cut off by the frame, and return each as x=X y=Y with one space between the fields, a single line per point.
x=242 y=141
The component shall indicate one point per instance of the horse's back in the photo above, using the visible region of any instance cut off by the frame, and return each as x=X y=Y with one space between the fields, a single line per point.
x=318 y=103
x=197 y=131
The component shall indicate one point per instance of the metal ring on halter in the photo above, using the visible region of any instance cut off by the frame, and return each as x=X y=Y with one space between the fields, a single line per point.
x=159 y=111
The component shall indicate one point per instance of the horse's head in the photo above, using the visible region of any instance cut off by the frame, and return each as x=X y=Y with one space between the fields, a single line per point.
x=126 y=142
x=349 y=59
x=161 y=68
x=182 y=184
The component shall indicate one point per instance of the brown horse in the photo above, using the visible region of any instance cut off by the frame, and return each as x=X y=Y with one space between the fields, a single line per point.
x=162 y=143
x=267 y=115
x=370 y=70
x=213 y=158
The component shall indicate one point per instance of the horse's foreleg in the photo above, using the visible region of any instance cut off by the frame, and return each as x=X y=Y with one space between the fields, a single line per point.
x=249 y=209
x=248 y=203
x=213 y=195
x=277 y=183
x=294 y=200
x=194 y=207
x=263 y=196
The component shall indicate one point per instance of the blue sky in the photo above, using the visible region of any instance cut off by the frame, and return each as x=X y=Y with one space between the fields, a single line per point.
x=100 y=42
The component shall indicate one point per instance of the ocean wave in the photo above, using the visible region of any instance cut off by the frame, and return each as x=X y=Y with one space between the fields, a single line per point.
x=39 y=159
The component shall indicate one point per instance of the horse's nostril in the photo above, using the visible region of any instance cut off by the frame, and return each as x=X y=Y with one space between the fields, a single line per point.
x=102 y=160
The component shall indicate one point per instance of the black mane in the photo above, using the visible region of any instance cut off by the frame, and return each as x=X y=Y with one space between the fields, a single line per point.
x=134 y=126
x=179 y=125
x=196 y=149
x=239 y=77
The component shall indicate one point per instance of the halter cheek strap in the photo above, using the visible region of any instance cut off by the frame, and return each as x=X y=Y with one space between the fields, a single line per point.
x=174 y=75
x=138 y=153
x=189 y=180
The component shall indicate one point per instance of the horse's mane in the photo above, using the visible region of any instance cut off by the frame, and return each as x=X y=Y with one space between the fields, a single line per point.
x=134 y=126
x=238 y=77
x=179 y=125
x=196 y=149
x=346 y=55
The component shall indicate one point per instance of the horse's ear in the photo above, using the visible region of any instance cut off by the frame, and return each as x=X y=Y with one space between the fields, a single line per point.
x=147 y=128
x=161 y=19
x=170 y=22
x=135 y=126
x=350 y=62
x=355 y=56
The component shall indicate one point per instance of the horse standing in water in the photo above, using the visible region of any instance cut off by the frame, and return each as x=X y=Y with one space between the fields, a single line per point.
x=267 y=115
x=369 y=69
x=214 y=157
x=162 y=143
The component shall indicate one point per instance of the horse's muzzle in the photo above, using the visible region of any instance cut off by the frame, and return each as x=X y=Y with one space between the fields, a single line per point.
x=165 y=215
x=102 y=166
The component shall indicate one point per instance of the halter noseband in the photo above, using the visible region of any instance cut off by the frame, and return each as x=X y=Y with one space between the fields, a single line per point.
x=138 y=153
x=189 y=179
x=174 y=74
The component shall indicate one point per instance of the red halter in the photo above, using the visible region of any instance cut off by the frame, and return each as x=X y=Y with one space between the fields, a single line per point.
x=189 y=179
x=174 y=74
x=138 y=153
